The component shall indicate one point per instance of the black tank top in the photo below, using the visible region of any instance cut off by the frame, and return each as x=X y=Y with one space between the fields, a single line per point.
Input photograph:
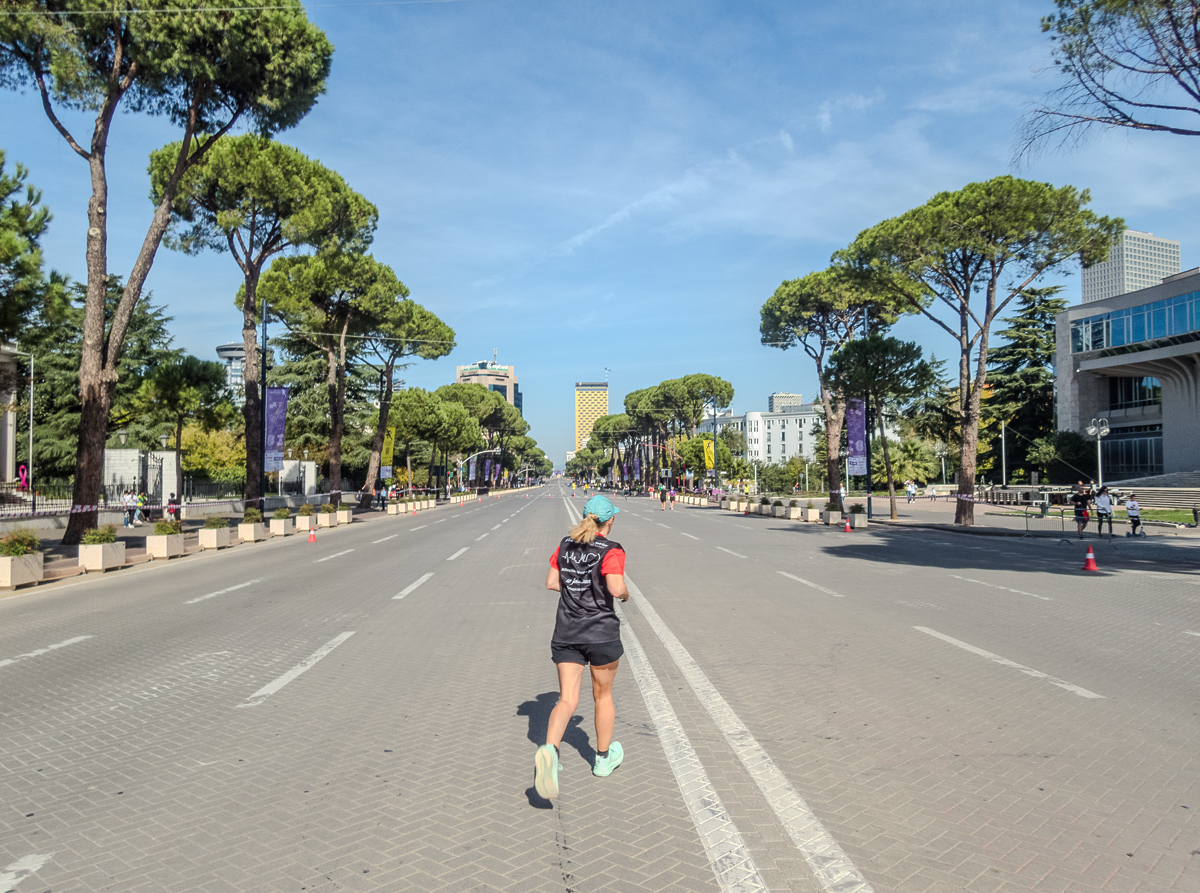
x=585 y=607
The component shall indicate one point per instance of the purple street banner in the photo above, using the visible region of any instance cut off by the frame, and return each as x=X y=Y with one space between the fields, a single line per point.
x=637 y=466
x=471 y=471
x=277 y=400
x=487 y=469
x=856 y=433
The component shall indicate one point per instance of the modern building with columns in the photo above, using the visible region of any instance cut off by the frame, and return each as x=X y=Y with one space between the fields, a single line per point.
x=1134 y=359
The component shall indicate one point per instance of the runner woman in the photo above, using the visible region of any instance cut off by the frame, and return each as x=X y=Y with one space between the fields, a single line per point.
x=588 y=571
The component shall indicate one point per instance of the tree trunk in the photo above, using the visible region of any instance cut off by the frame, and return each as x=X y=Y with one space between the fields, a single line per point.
x=385 y=407
x=834 y=419
x=887 y=465
x=179 y=459
x=252 y=408
x=964 y=513
x=332 y=386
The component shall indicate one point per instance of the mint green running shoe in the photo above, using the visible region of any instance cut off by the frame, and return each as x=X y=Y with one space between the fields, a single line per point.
x=545 y=772
x=604 y=766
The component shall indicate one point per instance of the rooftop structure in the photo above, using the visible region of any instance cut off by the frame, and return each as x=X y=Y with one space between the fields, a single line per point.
x=1139 y=260
x=233 y=355
x=493 y=376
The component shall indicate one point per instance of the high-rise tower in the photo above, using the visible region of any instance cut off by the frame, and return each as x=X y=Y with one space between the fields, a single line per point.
x=1138 y=260
x=591 y=402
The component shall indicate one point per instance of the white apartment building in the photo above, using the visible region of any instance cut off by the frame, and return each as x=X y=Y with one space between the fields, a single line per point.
x=773 y=437
x=782 y=401
x=1139 y=260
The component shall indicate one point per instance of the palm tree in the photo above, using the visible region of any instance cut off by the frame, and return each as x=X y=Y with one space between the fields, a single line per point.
x=912 y=459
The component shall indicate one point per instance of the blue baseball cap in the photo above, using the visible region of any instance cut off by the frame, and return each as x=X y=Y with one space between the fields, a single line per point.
x=600 y=507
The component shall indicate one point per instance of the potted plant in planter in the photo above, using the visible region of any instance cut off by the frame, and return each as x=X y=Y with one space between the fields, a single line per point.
x=810 y=513
x=778 y=509
x=21 y=561
x=166 y=541
x=764 y=506
x=327 y=517
x=394 y=507
x=345 y=513
x=830 y=515
x=858 y=515
x=281 y=523
x=215 y=534
x=100 y=550
x=304 y=517
x=252 y=529
x=793 y=510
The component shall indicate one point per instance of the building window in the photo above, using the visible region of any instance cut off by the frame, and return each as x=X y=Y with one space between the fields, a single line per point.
x=1130 y=393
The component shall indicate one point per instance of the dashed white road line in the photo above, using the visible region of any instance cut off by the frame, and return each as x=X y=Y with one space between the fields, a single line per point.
x=304 y=666
x=1044 y=598
x=809 y=583
x=385 y=539
x=334 y=555
x=731 y=552
x=459 y=552
x=39 y=652
x=440 y=520
x=497 y=527
x=192 y=601
x=661 y=524
x=25 y=866
x=455 y=516
x=689 y=536
x=422 y=527
x=411 y=587
x=1188 y=632
x=481 y=536
x=1003 y=661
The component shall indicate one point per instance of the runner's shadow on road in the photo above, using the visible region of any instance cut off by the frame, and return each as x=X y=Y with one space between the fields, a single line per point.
x=538 y=711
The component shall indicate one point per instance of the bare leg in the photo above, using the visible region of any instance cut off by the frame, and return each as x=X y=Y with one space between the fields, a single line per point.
x=606 y=713
x=569 y=678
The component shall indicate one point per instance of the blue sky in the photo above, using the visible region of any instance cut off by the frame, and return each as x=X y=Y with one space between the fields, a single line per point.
x=622 y=184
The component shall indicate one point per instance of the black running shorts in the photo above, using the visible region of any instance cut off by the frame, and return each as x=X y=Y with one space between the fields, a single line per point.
x=597 y=655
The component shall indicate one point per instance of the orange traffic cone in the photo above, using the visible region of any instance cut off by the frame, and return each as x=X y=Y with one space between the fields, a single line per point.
x=1090 y=563
x=312 y=534
x=847 y=528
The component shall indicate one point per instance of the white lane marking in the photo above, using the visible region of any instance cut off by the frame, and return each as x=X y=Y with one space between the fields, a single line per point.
x=459 y=552
x=455 y=516
x=334 y=555
x=730 y=858
x=25 y=866
x=385 y=539
x=731 y=552
x=192 y=601
x=481 y=536
x=307 y=664
x=1003 y=661
x=497 y=527
x=408 y=590
x=1044 y=598
x=689 y=536
x=422 y=527
x=440 y=520
x=661 y=524
x=809 y=583
x=1188 y=632
x=829 y=864
x=39 y=652
x=505 y=521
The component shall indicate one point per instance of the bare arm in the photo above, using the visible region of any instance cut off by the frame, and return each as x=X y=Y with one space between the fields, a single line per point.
x=552 y=579
x=616 y=586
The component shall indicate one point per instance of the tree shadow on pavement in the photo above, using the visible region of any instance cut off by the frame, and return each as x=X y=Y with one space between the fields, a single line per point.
x=538 y=711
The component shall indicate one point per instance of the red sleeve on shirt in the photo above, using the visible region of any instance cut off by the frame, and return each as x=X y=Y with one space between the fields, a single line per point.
x=614 y=562
x=554 y=559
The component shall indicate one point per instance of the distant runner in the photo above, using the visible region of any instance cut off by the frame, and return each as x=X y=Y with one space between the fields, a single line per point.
x=588 y=571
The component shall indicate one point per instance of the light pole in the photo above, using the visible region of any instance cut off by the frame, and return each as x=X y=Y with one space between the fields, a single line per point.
x=29 y=461
x=941 y=454
x=1098 y=429
x=1003 y=456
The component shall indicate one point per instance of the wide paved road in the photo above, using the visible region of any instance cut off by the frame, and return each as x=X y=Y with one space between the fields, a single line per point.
x=801 y=709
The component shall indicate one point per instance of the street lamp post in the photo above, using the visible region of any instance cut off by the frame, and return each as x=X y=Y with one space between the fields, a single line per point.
x=941 y=454
x=1003 y=456
x=1099 y=429
x=29 y=461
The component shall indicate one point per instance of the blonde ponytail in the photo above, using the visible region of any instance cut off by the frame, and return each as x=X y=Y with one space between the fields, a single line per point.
x=585 y=531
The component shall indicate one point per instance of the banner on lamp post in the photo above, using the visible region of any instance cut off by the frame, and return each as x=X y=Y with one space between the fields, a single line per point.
x=856 y=434
x=277 y=399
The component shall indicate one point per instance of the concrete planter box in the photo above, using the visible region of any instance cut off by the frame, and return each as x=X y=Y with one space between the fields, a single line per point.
x=394 y=509
x=761 y=509
x=831 y=517
x=857 y=520
x=168 y=546
x=725 y=504
x=810 y=515
x=282 y=527
x=326 y=520
x=305 y=522
x=215 y=538
x=345 y=516
x=19 y=570
x=779 y=511
x=101 y=557
x=252 y=533
x=427 y=504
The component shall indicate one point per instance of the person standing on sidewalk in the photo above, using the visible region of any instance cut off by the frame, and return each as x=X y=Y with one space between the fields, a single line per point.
x=588 y=571
x=1133 y=512
x=1104 y=507
x=1079 y=500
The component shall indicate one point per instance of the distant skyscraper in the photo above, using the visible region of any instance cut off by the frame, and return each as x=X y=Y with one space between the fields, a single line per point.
x=493 y=376
x=782 y=401
x=234 y=356
x=1138 y=260
x=591 y=402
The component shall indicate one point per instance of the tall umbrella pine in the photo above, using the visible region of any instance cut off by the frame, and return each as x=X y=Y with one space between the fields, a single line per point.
x=205 y=68
x=326 y=300
x=255 y=198
x=821 y=313
x=888 y=373
x=966 y=255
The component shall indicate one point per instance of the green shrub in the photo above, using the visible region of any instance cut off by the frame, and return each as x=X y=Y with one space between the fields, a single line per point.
x=22 y=541
x=216 y=522
x=252 y=516
x=765 y=500
x=168 y=528
x=857 y=509
x=329 y=508
x=831 y=507
x=793 y=503
x=810 y=505
x=306 y=510
x=777 y=503
x=99 y=536
x=282 y=514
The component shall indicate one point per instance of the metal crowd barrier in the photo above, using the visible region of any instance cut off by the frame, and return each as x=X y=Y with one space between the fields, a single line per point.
x=1048 y=520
